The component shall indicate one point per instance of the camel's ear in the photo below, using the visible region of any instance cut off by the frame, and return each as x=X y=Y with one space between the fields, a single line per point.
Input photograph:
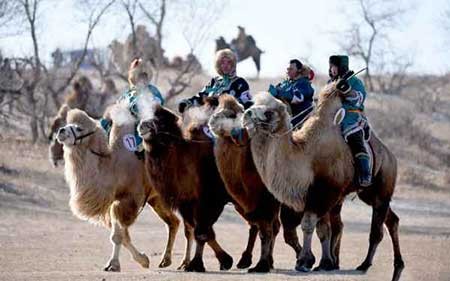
x=62 y=113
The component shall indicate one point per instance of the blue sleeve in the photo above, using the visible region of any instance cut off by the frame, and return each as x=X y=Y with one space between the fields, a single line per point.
x=303 y=90
x=156 y=93
x=284 y=91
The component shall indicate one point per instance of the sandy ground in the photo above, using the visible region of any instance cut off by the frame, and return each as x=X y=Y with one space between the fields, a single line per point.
x=41 y=240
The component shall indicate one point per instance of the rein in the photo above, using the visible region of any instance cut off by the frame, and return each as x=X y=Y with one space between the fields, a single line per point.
x=81 y=137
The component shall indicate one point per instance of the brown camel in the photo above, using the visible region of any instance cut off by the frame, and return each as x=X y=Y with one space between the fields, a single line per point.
x=184 y=173
x=244 y=46
x=108 y=184
x=181 y=166
x=317 y=173
x=243 y=183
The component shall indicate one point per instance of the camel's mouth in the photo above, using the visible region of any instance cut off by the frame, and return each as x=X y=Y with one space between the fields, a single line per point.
x=146 y=129
x=223 y=122
x=66 y=135
x=258 y=118
x=72 y=134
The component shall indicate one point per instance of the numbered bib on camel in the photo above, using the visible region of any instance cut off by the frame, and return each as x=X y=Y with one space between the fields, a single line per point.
x=130 y=142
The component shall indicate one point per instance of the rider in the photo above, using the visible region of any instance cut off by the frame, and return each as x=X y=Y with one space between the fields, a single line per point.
x=354 y=125
x=139 y=85
x=227 y=82
x=296 y=90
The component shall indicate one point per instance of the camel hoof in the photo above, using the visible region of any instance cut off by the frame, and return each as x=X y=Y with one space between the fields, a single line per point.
x=143 y=260
x=305 y=264
x=166 y=261
x=183 y=265
x=364 y=266
x=196 y=265
x=326 y=265
x=226 y=262
x=262 y=266
x=112 y=266
x=245 y=261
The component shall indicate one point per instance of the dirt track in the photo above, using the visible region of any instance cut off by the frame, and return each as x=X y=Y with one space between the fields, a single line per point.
x=41 y=240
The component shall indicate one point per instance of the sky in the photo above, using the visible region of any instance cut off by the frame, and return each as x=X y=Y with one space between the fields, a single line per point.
x=284 y=29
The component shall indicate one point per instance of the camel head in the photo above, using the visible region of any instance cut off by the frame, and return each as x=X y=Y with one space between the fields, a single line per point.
x=267 y=115
x=227 y=116
x=162 y=127
x=79 y=129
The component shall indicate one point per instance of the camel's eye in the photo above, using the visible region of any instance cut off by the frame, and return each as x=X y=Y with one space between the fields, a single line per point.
x=268 y=115
x=78 y=129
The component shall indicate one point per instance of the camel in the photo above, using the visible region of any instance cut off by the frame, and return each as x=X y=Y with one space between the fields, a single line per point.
x=318 y=173
x=244 y=46
x=108 y=184
x=181 y=166
x=243 y=183
x=227 y=117
x=185 y=174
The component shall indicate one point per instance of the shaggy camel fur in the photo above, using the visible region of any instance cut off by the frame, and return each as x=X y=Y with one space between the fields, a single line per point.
x=108 y=184
x=181 y=166
x=243 y=183
x=318 y=172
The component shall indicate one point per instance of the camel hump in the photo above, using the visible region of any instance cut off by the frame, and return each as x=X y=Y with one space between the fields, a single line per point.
x=251 y=40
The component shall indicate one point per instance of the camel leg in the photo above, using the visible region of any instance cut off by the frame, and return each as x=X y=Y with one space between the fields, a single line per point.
x=116 y=239
x=172 y=223
x=276 y=229
x=323 y=231
x=206 y=216
x=307 y=259
x=189 y=234
x=196 y=264
x=392 y=222
x=141 y=258
x=246 y=258
x=376 y=233
x=266 y=237
x=336 y=233
x=290 y=220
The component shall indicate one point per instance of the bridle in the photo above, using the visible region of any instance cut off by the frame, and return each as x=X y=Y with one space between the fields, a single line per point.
x=80 y=139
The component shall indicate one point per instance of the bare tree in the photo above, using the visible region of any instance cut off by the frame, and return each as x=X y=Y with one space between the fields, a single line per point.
x=130 y=7
x=9 y=11
x=196 y=22
x=155 y=12
x=96 y=11
x=368 y=36
x=37 y=82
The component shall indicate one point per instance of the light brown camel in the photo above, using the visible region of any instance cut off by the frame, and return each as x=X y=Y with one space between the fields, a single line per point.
x=108 y=184
x=311 y=170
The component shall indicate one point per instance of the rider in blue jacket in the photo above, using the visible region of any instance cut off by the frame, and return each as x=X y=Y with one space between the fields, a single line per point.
x=354 y=125
x=296 y=90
